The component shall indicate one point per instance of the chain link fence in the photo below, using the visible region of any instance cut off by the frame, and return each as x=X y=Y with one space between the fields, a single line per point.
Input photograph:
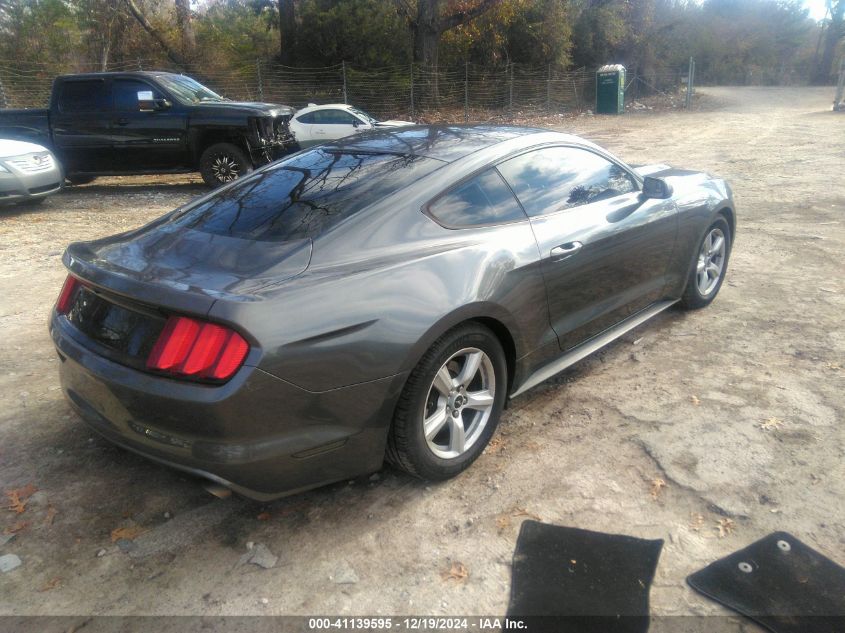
x=467 y=91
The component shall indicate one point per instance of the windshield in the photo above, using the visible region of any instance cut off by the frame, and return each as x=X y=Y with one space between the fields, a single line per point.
x=188 y=90
x=367 y=117
x=304 y=196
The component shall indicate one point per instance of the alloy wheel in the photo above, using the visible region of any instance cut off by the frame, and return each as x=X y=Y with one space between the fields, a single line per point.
x=459 y=403
x=225 y=168
x=711 y=262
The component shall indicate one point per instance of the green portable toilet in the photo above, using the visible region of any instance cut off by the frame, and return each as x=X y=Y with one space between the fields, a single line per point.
x=610 y=89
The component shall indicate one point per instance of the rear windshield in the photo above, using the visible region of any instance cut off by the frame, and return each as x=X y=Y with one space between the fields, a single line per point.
x=304 y=196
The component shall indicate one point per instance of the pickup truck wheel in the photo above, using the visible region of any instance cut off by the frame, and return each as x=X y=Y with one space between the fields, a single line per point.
x=223 y=162
x=80 y=180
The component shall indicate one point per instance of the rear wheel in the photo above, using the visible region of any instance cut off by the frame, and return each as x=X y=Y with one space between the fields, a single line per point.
x=451 y=404
x=711 y=264
x=223 y=162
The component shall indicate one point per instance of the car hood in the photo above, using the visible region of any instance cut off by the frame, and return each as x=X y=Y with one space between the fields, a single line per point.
x=185 y=268
x=248 y=108
x=9 y=148
x=394 y=123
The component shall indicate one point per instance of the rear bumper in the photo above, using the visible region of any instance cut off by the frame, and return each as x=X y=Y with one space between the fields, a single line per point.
x=257 y=434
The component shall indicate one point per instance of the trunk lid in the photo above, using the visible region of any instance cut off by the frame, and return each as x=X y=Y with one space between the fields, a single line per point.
x=186 y=270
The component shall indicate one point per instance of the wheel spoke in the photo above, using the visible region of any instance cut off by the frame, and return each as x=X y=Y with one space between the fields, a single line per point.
x=457 y=434
x=714 y=271
x=473 y=361
x=435 y=422
x=479 y=400
x=717 y=244
x=443 y=381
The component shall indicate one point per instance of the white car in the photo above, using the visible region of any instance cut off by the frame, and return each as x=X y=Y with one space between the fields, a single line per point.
x=320 y=123
x=28 y=172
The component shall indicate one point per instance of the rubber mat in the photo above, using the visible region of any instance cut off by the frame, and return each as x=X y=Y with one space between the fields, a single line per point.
x=566 y=580
x=780 y=583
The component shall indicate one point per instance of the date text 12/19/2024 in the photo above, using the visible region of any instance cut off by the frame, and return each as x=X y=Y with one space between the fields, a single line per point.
x=417 y=623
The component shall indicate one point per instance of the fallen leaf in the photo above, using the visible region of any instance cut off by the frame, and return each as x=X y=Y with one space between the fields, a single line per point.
x=457 y=572
x=264 y=516
x=51 y=514
x=51 y=584
x=17 y=527
x=657 y=484
x=129 y=533
x=696 y=521
x=770 y=424
x=695 y=401
x=496 y=445
x=522 y=512
x=503 y=522
x=18 y=498
x=724 y=527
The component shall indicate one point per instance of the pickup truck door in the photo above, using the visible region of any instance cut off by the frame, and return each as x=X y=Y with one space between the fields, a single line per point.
x=605 y=248
x=79 y=118
x=146 y=133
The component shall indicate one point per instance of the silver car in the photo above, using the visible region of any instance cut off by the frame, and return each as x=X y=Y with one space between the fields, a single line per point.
x=27 y=172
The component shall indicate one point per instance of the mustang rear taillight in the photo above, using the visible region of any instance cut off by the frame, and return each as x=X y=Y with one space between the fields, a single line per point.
x=66 y=295
x=196 y=349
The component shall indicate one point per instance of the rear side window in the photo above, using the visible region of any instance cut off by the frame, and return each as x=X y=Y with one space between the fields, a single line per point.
x=304 y=196
x=85 y=96
x=126 y=94
x=557 y=178
x=485 y=199
x=333 y=117
x=308 y=117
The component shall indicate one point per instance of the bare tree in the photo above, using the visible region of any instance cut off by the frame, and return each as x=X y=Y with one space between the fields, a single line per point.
x=834 y=32
x=186 y=27
x=287 y=31
x=427 y=25
x=172 y=53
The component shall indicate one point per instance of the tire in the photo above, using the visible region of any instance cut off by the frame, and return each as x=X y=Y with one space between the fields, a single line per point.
x=441 y=456
x=699 y=292
x=223 y=162
x=80 y=179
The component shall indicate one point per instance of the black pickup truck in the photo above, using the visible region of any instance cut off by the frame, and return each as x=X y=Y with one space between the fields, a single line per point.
x=151 y=123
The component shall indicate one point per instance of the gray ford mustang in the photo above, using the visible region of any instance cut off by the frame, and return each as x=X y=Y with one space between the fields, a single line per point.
x=378 y=297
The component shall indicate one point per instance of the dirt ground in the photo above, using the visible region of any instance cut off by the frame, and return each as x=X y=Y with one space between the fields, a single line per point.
x=708 y=429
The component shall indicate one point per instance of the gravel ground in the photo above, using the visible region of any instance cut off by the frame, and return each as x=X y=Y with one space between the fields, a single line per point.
x=708 y=429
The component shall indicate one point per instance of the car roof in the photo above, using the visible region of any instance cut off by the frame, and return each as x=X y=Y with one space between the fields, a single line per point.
x=122 y=73
x=442 y=142
x=323 y=106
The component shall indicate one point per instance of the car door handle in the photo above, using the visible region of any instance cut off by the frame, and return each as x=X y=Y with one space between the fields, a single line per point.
x=122 y=121
x=565 y=250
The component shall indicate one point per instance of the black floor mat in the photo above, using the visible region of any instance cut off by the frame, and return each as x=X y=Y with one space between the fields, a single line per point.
x=780 y=583
x=567 y=580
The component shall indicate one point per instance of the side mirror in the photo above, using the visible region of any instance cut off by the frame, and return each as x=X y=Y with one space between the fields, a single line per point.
x=656 y=188
x=356 y=123
x=162 y=104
